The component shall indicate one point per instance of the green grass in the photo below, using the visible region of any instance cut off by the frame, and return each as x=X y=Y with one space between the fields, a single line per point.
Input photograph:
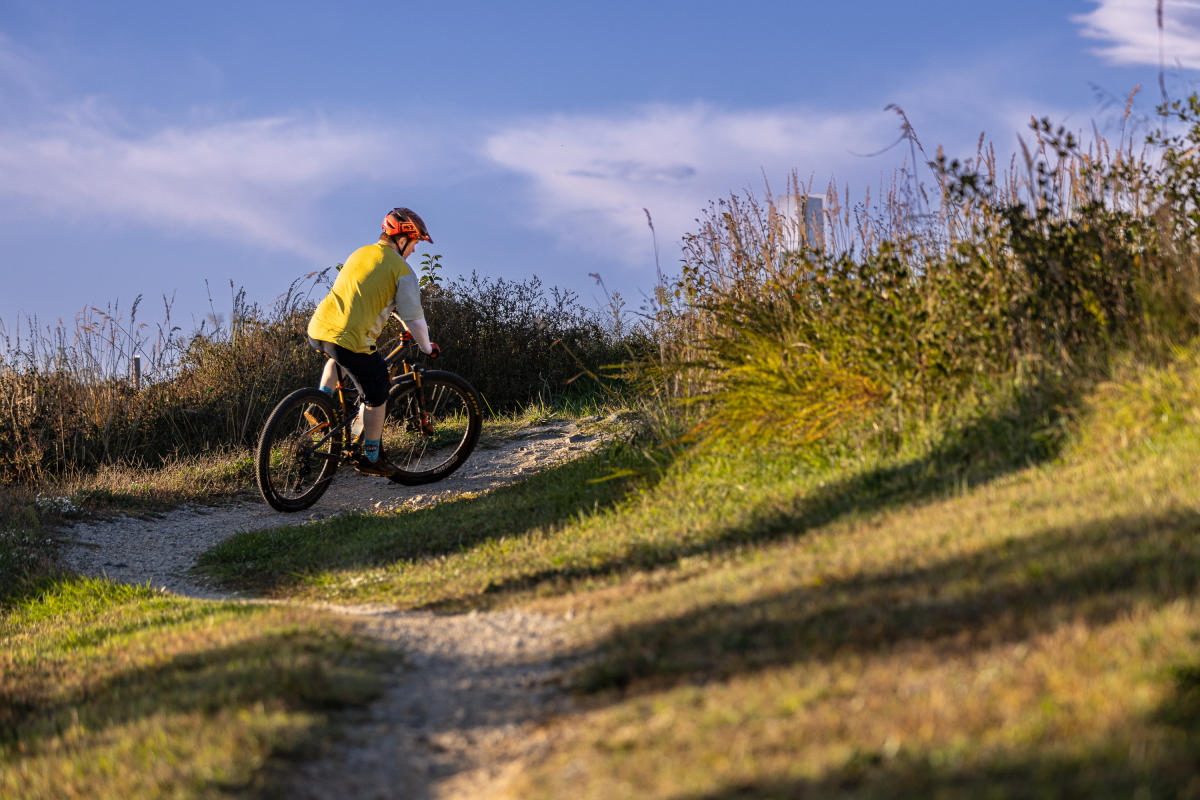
x=114 y=691
x=1036 y=636
x=1033 y=634
x=26 y=549
x=435 y=556
x=600 y=519
x=1010 y=608
x=31 y=516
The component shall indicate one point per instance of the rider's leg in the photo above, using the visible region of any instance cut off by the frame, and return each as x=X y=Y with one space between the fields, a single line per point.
x=329 y=376
x=373 y=421
x=370 y=375
x=373 y=418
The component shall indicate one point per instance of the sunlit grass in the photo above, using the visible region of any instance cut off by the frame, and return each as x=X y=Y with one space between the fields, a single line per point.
x=116 y=691
x=998 y=609
x=1036 y=635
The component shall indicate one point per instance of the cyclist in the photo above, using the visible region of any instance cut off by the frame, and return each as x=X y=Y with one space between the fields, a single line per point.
x=374 y=280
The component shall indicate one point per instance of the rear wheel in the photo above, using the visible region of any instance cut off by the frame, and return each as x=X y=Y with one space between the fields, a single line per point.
x=430 y=431
x=298 y=451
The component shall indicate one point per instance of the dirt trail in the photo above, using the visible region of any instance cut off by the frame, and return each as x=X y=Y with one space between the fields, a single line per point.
x=464 y=710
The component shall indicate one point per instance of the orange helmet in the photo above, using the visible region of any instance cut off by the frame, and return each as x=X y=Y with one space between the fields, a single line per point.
x=405 y=222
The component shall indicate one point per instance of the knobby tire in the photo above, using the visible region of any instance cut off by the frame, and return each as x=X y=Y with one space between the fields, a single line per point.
x=297 y=455
x=428 y=450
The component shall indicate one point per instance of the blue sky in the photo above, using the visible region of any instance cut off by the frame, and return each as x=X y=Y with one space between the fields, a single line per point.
x=146 y=147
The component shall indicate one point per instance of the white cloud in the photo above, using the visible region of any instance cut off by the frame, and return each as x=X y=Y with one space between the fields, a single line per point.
x=1131 y=29
x=591 y=175
x=250 y=180
x=237 y=180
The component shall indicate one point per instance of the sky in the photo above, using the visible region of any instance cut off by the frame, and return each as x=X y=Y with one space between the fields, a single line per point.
x=171 y=149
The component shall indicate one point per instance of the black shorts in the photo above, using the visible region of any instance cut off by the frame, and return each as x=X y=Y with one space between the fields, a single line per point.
x=367 y=370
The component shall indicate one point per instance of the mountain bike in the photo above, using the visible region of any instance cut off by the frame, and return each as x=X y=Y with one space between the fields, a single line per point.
x=432 y=425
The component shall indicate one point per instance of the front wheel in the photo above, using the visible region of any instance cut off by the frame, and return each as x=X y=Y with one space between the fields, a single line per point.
x=298 y=450
x=430 y=431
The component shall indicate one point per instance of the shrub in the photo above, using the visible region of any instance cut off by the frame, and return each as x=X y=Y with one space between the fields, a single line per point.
x=910 y=306
x=69 y=403
x=516 y=342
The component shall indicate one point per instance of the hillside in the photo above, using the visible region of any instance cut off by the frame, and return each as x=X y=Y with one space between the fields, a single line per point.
x=909 y=510
x=736 y=624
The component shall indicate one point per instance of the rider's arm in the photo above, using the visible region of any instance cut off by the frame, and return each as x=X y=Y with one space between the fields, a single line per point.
x=408 y=306
x=420 y=332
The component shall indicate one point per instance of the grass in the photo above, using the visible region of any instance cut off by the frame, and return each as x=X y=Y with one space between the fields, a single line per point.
x=1036 y=636
x=999 y=601
x=436 y=556
x=1009 y=609
x=30 y=517
x=216 y=476
x=600 y=519
x=588 y=406
x=115 y=691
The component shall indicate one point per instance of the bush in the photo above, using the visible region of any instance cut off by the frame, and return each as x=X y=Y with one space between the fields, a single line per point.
x=516 y=342
x=909 y=307
x=77 y=411
x=69 y=403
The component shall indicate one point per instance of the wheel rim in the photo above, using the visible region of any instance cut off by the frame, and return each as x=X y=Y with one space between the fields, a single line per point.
x=301 y=449
x=419 y=443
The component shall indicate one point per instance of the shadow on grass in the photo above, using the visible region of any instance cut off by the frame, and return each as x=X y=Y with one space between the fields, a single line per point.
x=272 y=560
x=309 y=671
x=1168 y=773
x=1027 y=430
x=1122 y=769
x=1007 y=593
x=29 y=585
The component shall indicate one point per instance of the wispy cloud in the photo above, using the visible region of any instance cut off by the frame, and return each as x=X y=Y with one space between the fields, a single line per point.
x=1130 y=28
x=237 y=180
x=591 y=175
x=234 y=179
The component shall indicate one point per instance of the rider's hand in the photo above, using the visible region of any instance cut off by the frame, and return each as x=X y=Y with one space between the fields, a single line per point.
x=406 y=336
x=434 y=350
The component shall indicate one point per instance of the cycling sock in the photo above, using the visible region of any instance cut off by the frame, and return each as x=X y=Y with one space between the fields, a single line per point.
x=326 y=389
x=371 y=449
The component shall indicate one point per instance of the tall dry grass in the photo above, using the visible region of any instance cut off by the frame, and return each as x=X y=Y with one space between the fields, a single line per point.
x=72 y=399
x=907 y=304
x=70 y=402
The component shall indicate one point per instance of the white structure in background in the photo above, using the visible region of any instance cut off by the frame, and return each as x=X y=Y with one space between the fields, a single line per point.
x=801 y=221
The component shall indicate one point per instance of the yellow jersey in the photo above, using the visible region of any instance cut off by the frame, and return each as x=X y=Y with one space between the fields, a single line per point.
x=373 y=280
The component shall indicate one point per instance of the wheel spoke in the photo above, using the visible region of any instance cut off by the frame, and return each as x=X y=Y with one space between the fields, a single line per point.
x=426 y=438
x=298 y=452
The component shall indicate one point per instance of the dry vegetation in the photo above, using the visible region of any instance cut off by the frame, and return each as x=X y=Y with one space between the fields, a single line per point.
x=77 y=425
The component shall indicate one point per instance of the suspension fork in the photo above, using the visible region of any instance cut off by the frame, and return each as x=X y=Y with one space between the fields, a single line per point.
x=413 y=376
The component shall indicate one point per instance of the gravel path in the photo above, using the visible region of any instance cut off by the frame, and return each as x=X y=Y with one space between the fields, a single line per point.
x=464 y=710
x=459 y=719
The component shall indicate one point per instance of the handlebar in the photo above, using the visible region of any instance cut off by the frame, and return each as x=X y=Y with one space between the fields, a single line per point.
x=407 y=338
